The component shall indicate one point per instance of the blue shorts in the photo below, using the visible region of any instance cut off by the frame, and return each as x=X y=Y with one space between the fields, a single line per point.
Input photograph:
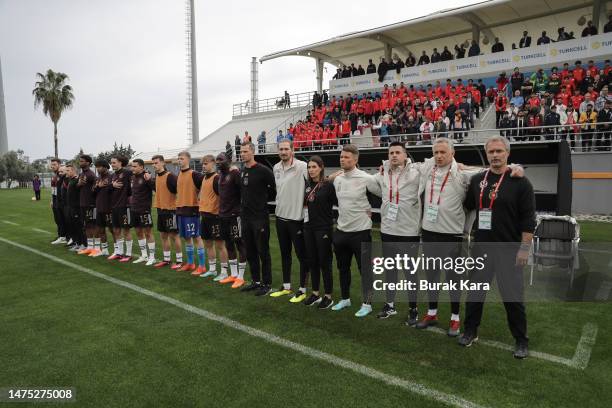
x=189 y=227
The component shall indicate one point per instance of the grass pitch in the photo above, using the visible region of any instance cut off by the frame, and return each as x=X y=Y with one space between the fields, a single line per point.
x=60 y=327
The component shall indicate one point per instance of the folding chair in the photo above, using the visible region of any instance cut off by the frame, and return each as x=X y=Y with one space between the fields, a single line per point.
x=555 y=242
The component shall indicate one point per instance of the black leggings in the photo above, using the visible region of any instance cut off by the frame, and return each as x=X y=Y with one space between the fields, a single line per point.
x=37 y=194
x=392 y=246
x=443 y=246
x=256 y=235
x=319 y=252
x=290 y=233
x=58 y=217
x=347 y=245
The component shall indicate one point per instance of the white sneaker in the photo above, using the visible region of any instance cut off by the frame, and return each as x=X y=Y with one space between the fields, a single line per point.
x=151 y=262
x=141 y=260
x=70 y=242
x=59 y=240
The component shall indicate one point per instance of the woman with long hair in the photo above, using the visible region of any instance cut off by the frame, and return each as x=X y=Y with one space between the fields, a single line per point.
x=319 y=199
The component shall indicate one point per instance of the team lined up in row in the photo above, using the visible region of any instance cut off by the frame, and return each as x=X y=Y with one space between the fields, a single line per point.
x=227 y=209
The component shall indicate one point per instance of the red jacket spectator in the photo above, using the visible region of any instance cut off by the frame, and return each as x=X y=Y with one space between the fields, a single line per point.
x=501 y=82
x=534 y=102
x=346 y=128
x=501 y=103
x=376 y=106
x=578 y=74
x=577 y=100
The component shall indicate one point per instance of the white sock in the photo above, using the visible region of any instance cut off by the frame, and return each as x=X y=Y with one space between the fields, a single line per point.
x=166 y=256
x=212 y=265
x=233 y=264
x=455 y=317
x=287 y=286
x=128 y=248
x=96 y=243
x=224 y=269
x=391 y=304
x=151 y=246
x=90 y=243
x=142 y=244
x=303 y=290
x=366 y=306
x=119 y=246
x=241 y=269
x=432 y=312
x=179 y=257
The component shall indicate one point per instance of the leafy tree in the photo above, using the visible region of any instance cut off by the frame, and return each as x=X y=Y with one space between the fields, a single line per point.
x=55 y=97
x=15 y=167
x=120 y=150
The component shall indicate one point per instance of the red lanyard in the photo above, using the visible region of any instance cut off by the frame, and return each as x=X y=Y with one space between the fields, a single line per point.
x=433 y=178
x=494 y=196
x=312 y=193
x=391 y=187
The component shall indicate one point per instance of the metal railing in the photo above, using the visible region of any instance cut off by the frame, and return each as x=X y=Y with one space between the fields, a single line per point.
x=273 y=104
x=580 y=137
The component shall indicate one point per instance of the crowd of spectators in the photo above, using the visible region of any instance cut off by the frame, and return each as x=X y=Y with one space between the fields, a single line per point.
x=572 y=104
x=459 y=51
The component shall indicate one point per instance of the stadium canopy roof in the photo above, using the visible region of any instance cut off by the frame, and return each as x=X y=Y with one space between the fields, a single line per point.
x=482 y=21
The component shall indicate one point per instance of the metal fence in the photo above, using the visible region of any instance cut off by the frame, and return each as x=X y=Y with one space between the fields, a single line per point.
x=272 y=104
x=581 y=139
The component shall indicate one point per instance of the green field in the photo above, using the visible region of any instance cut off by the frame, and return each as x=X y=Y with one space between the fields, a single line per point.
x=62 y=327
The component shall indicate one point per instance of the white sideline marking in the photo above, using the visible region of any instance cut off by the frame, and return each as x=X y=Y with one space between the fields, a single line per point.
x=579 y=361
x=407 y=385
x=604 y=291
x=10 y=223
x=41 y=230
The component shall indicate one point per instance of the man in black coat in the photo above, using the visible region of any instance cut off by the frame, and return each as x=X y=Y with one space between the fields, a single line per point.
x=497 y=46
x=446 y=54
x=371 y=69
x=525 y=40
x=435 y=56
x=424 y=60
x=383 y=67
x=474 y=49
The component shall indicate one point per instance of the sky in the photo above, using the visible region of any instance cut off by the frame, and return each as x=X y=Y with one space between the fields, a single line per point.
x=126 y=62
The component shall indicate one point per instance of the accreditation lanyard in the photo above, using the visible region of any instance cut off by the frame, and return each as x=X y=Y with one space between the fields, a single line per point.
x=485 y=215
x=433 y=179
x=393 y=208
x=494 y=195
x=310 y=198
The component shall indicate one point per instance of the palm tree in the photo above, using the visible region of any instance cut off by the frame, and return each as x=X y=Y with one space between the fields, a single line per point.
x=55 y=96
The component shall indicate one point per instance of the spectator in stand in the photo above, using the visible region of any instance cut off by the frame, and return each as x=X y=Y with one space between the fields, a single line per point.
x=588 y=120
x=602 y=99
x=544 y=39
x=505 y=125
x=527 y=88
x=280 y=136
x=338 y=74
x=465 y=109
x=540 y=81
x=608 y=26
x=354 y=71
x=424 y=60
x=562 y=35
x=371 y=69
x=516 y=80
x=585 y=103
x=247 y=138
x=399 y=64
x=460 y=51
x=261 y=141
x=482 y=89
x=383 y=67
x=554 y=82
x=237 y=144
x=497 y=46
x=459 y=126
x=440 y=127
x=411 y=60
x=552 y=118
x=435 y=56
x=517 y=100
x=571 y=127
x=501 y=103
x=316 y=99
x=514 y=46
x=325 y=97
x=360 y=70
x=228 y=151
x=604 y=137
x=534 y=123
x=287 y=100
x=590 y=29
x=426 y=129
x=525 y=40
x=474 y=49
x=446 y=54
x=501 y=82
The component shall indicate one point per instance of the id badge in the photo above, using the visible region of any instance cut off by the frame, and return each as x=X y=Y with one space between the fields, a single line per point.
x=305 y=214
x=53 y=190
x=431 y=213
x=484 y=219
x=392 y=212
